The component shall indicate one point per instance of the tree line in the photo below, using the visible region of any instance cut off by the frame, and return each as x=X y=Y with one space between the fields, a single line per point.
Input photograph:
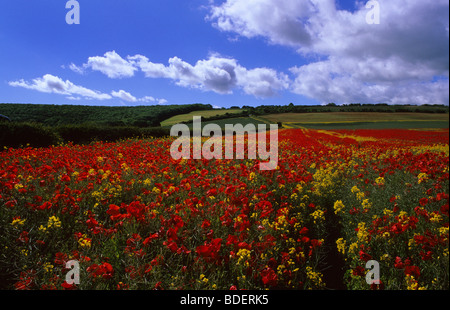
x=58 y=115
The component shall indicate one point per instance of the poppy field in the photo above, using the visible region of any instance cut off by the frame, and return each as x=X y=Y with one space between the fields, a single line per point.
x=135 y=218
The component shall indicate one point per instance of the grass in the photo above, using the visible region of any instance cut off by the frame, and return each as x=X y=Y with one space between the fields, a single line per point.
x=189 y=116
x=373 y=125
x=236 y=120
x=336 y=117
x=360 y=120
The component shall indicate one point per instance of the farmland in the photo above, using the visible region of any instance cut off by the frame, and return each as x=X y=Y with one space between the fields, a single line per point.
x=204 y=114
x=134 y=218
x=359 y=120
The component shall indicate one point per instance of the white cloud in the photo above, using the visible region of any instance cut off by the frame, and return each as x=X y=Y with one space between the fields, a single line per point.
x=152 y=99
x=53 y=84
x=74 y=98
x=111 y=64
x=262 y=82
x=345 y=80
x=218 y=74
x=150 y=69
x=121 y=94
x=76 y=69
x=395 y=61
x=280 y=21
x=126 y=96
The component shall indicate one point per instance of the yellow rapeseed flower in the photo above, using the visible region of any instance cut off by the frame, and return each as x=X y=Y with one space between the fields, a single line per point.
x=355 y=189
x=53 y=221
x=422 y=177
x=362 y=233
x=318 y=215
x=18 y=221
x=338 y=207
x=380 y=181
x=48 y=267
x=315 y=277
x=366 y=204
x=340 y=243
x=84 y=242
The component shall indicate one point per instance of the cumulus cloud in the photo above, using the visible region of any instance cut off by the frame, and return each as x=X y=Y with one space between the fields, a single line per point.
x=152 y=99
x=111 y=64
x=53 y=84
x=218 y=74
x=262 y=82
x=281 y=22
x=396 y=61
x=121 y=94
x=126 y=96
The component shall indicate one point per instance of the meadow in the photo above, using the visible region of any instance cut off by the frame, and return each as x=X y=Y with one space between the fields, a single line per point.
x=204 y=114
x=360 y=120
x=134 y=218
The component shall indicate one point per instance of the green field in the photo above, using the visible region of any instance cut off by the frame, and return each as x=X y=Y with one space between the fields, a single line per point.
x=189 y=116
x=359 y=120
x=235 y=120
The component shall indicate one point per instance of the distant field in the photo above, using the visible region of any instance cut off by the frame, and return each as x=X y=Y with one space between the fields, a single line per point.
x=372 y=125
x=189 y=116
x=336 y=117
x=359 y=120
x=236 y=120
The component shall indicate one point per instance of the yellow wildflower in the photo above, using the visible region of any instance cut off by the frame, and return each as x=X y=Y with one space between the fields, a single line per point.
x=53 y=221
x=84 y=241
x=338 y=207
x=318 y=215
x=362 y=233
x=355 y=189
x=379 y=181
x=360 y=195
x=315 y=277
x=203 y=278
x=341 y=245
x=422 y=177
x=366 y=204
x=17 y=221
x=48 y=267
x=435 y=218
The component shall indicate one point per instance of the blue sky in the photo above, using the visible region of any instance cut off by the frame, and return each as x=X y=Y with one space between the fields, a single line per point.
x=224 y=53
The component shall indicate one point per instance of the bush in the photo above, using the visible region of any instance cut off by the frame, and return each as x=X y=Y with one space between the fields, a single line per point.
x=37 y=135
x=23 y=134
x=81 y=134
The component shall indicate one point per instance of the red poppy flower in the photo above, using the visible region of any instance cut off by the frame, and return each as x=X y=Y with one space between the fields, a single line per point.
x=269 y=277
x=364 y=256
x=206 y=224
x=114 y=212
x=413 y=271
x=230 y=189
x=68 y=286
x=423 y=201
x=426 y=255
x=398 y=263
x=104 y=270
x=60 y=258
x=210 y=251
x=359 y=271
